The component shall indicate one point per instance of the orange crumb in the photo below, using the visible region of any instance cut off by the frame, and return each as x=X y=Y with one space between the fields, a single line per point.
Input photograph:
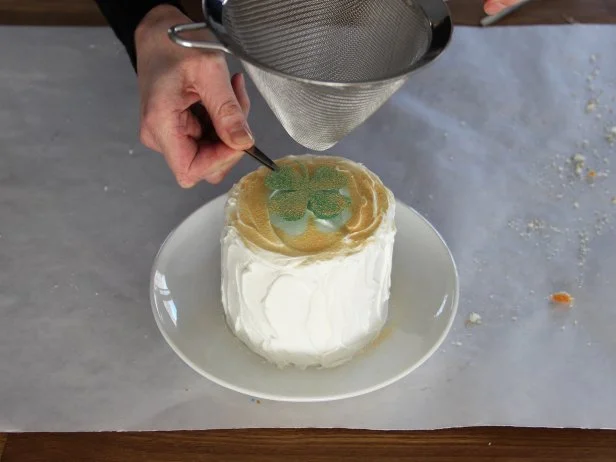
x=592 y=175
x=561 y=298
x=258 y=401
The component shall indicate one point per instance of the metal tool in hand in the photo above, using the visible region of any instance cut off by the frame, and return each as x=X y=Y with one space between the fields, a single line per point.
x=325 y=66
x=209 y=133
x=489 y=20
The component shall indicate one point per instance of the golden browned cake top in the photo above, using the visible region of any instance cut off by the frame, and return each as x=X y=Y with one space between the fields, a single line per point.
x=314 y=205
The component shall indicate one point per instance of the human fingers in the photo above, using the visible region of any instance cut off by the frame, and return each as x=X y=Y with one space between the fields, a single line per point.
x=492 y=7
x=225 y=110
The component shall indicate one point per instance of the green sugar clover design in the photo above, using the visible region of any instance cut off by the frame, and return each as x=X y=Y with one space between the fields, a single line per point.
x=294 y=192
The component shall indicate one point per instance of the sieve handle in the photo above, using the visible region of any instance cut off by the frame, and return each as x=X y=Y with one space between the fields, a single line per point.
x=175 y=31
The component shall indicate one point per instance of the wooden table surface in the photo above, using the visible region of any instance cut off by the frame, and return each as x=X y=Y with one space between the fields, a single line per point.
x=461 y=445
x=466 y=12
x=464 y=445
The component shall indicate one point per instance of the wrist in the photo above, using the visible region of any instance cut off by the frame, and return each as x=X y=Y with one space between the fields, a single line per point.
x=158 y=17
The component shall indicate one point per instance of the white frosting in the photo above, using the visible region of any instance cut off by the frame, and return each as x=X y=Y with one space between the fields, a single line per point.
x=306 y=312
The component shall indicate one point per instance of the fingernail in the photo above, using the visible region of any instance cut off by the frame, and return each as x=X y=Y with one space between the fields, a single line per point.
x=224 y=165
x=241 y=135
x=243 y=81
x=185 y=184
x=216 y=178
x=494 y=7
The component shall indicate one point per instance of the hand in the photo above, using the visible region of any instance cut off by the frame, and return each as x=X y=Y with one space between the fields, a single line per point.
x=171 y=79
x=496 y=6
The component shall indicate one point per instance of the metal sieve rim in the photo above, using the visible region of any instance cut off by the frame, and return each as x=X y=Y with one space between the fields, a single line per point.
x=436 y=11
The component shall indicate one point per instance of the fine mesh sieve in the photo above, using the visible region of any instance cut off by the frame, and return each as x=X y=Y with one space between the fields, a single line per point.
x=325 y=66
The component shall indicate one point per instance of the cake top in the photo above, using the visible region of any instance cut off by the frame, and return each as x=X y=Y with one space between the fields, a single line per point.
x=311 y=205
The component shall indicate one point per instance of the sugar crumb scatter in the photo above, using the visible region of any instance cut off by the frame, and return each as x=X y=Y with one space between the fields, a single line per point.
x=576 y=179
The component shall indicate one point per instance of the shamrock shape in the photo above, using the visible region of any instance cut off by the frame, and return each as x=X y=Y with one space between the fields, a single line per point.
x=294 y=192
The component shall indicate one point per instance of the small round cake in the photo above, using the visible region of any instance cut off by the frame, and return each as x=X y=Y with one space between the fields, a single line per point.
x=306 y=260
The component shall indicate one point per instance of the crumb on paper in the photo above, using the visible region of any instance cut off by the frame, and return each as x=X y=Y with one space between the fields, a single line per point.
x=473 y=319
x=106 y=188
x=578 y=163
x=610 y=135
x=614 y=200
x=535 y=225
x=576 y=205
x=561 y=298
x=583 y=247
x=130 y=152
x=593 y=58
x=592 y=175
x=457 y=343
x=591 y=106
x=514 y=318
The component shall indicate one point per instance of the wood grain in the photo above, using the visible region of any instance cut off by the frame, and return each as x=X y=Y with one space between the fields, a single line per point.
x=2 y=443
x=464 y=12
x=50 y=13
x=461 y=445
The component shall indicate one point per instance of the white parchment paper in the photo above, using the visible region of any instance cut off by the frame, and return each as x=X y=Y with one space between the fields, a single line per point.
x=479 y=143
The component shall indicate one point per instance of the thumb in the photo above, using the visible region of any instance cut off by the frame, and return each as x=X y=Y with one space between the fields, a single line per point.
x=225 y=111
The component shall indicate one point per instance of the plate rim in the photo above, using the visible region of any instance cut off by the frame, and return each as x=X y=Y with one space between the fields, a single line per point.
x=306 y=399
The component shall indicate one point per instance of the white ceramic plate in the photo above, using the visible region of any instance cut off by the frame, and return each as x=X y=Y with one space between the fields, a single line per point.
x=185 y=295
